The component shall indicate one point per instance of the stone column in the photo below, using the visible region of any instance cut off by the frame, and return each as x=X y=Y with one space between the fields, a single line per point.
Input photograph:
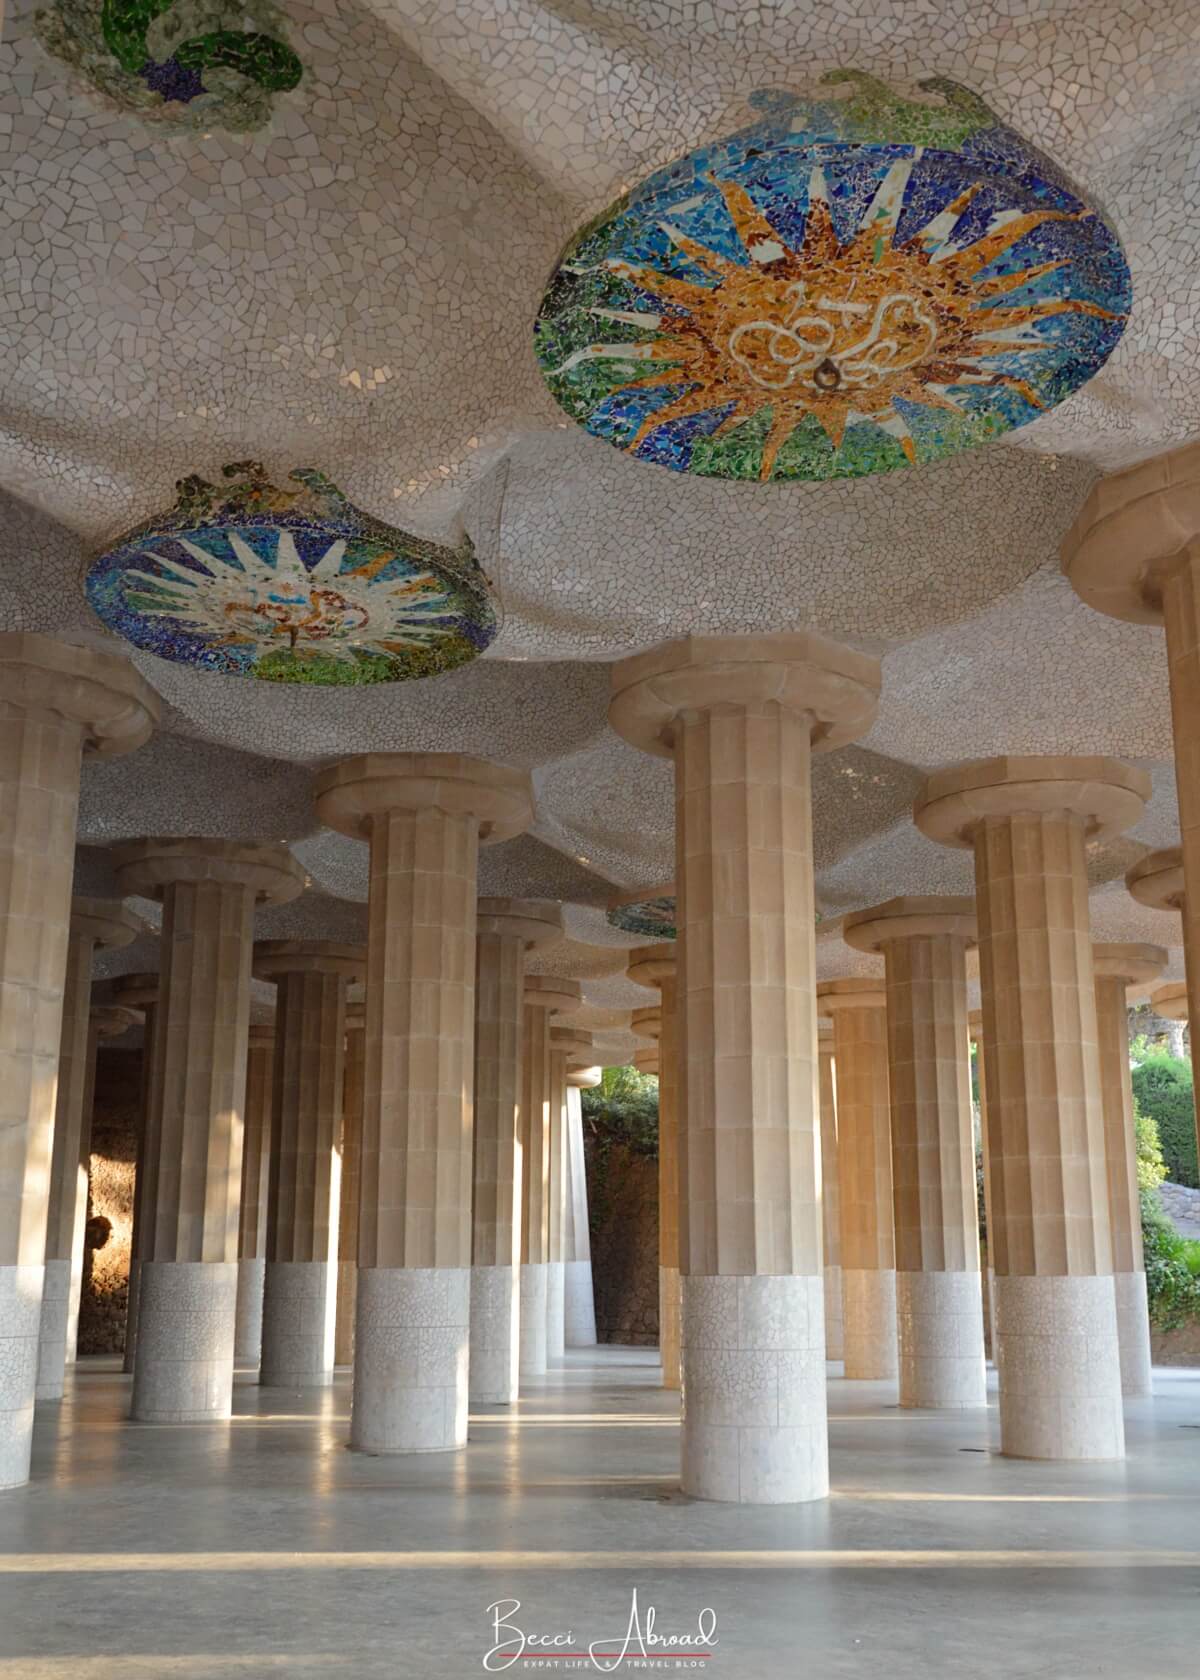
x=556 y=1199
x=93 y=922
x=654 y=965
x=1028 y=821
x=1134 y=553
x=424 y=816
x=1117 y=967
x=253 y=1194
x=1170 y=1004
x=187 y=1305
x=56 y=703
x=507 y=929
x=741 y=716
x=138 y=991
x=868 y=1250
x=939 y=1309
x=300 y=1283
x=349 y=1186
x=1157 y=881
x=579 y=1304
x=975 y=1025
x=831 y=1201
x=542 y=1282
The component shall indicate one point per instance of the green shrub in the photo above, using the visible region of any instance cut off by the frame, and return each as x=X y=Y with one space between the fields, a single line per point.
x=623 y=1108
x=1151 y=1168
x=1162 y=1088
x=1171 y=1284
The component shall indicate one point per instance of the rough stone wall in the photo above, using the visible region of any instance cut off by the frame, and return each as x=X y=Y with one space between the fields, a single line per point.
x=110 y=1202
x=623 y=1219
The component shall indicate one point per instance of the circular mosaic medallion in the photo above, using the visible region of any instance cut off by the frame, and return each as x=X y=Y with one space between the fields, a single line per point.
x=291 y=586
x=650 y=918
x=184 y=63
x=847 y=286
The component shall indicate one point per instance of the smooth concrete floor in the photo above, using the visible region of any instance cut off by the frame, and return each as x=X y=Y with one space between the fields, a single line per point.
x=265 y=1547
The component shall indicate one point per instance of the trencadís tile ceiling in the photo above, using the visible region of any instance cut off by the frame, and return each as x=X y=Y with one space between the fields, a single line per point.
x=353 y=284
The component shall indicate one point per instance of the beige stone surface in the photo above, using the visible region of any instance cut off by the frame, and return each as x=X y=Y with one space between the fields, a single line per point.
x=655 y=965
x=830 y=1197
x=1172 y=1002
x=1046 y=1133
x=1117 y=968
x=1157 y=881
x=256 y=1143
x=349 y=1188
x=924 y=944
x=139 y=991
x=860 y=1040
x=545 y=997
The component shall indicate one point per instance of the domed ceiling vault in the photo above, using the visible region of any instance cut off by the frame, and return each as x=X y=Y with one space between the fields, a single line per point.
x=353 y=286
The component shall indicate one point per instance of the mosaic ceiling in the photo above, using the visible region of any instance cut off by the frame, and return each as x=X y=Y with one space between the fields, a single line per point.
x=344 y=272
x=847 y=286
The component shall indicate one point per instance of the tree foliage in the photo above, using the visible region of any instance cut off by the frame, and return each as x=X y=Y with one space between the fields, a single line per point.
x=1162 y=1089
x=623 y=1108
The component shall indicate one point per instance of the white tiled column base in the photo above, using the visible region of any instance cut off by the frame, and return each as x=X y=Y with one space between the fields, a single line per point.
x=533 y=1321
x=247 y=1342
x=834 y=1347
x=939 y=1319
x=131 y=1314
x=1059 y=1366
x=347 y=1303
x=299 y=1301
x=183 y=1369
x=1133 y=1333
x=411 y=1345
x=754 y=1429
x=579 y=1304
x=869 y=1324
x=670 y=1326
x=556 y=1286
x=52 y=1329
x=20 y=1318
x=495 y=1334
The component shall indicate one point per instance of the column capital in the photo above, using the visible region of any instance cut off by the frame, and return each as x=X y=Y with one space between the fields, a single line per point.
x=646 y=1061
x=356 y=1015
x=833 y=995
x=1156 y=880
x=1106 y=793
x=650 y=965
x=351 y=792
x=261 y=1035
x=577 y=1045
x=534 y=921
x=585 y=1078
x=1171 y=1002
x=137 y=990
x=1131 y=529
x=547 y=991
x=105 y=921
x=1135 y=965
x=911 y=918
x=149 y=866
x=837 y=687
x=110 y=1020
x=276 y=957
x=647 y=1023
x=112 y=703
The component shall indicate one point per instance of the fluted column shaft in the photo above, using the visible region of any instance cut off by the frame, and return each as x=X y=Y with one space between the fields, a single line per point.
x=535 y=1187
x=149 y=1009
x=749 y=1217
x=55 y=702
x=556 y=1189
x=1124 y=1201
x=865 y=1191
x=669 y=1308
x=938 y=1295
x=350 y=1191
x=830 y=1199
x=67 y=1211
x=580 y=1305
x=989 y=1276
x=496 y=1239
x=1046 y=1131
x=1181 y=618
x=300 y=1287
x=253 y=1196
